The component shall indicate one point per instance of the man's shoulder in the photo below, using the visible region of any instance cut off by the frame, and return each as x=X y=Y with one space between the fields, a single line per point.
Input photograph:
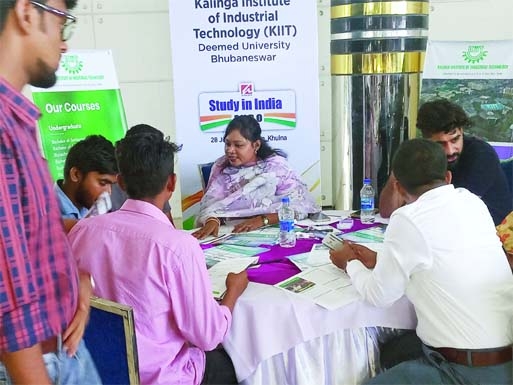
x=475 y=144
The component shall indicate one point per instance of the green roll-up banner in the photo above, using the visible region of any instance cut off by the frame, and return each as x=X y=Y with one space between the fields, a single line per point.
x=86 y=100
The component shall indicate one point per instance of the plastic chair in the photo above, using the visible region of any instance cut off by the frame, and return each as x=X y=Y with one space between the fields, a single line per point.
x=110 y=339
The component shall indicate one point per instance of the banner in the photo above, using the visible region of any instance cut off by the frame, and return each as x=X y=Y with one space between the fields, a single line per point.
x=248 y=57
x=86 y=100
x=478 y=76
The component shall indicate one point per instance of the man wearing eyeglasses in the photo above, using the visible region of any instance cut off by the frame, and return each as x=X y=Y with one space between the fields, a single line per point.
x=43 y=303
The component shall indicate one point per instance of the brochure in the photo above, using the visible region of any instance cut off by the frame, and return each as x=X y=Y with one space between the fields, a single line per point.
x=327 y=286
x=220 y=253
x=219 y=272
x=370 y=235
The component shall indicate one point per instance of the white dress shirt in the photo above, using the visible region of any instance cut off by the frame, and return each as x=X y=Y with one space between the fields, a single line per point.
x=443 y=252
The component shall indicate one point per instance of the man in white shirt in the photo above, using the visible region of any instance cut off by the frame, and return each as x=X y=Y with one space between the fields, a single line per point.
x=441 y=251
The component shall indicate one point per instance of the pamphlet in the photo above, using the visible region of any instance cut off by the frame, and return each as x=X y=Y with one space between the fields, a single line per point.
x=370 y=235
x=221 y=253
x=318 y=256
x=249 y=239
x=326 y=285
x=219 y=272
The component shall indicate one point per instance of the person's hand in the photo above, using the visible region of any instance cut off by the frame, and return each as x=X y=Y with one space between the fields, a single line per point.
x=211 y=227
x=236 y=283
x=75 y=330
x=342 y=255
x=350 y=251
x=249 y=224
x=364 y=255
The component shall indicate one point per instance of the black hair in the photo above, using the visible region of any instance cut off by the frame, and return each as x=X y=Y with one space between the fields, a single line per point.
x=250 y=129
x=145 y=162
x=94 y=153
x=441 y=115
x=144 y=128
x=6 y=5
x=418 y=163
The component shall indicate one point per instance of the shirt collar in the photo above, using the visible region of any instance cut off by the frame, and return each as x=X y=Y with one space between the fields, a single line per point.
x=145 y=208
x=23 y=107
x=68 y=209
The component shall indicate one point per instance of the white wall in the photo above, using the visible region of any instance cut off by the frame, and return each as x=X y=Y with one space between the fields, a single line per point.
x=137 y=31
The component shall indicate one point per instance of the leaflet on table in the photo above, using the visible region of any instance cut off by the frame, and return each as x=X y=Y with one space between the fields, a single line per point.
x=249 y=239
x=318 y=256
x=371 y=235
x=220 y=253
x=219 y=272
x=327 y=286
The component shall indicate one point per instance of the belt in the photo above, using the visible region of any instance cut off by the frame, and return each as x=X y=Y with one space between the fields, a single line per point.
x=50 y=345
x=476 y=357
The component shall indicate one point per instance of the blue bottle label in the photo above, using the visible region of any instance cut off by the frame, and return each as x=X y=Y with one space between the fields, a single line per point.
x=367 y=204
x=287 y=226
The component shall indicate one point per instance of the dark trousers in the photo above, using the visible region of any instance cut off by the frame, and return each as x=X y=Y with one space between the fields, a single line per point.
x=218 y=368
x=402 y=348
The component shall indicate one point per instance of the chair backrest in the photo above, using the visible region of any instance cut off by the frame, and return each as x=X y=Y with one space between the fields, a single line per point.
x=204 y=170
x=110 y=338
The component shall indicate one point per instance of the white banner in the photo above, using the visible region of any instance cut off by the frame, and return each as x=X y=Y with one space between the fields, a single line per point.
x=477 y=75
x=255 y=57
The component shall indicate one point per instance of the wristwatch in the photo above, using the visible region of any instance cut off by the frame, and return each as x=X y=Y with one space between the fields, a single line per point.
x=265 y=220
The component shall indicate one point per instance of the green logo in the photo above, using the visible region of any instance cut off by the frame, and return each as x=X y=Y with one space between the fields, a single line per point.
x=474 y=54
x=72 y=64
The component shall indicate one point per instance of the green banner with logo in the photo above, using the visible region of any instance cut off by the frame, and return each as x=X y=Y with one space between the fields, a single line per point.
x=478 y=76
x=86 y=100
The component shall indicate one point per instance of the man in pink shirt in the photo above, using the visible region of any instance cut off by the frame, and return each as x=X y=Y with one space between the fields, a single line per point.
x=136 y=257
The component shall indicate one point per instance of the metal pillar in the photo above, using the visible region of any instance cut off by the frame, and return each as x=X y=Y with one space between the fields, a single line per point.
x=377 y=55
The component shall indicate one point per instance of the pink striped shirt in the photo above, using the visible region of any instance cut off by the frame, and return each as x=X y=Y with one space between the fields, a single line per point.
x=38 y=276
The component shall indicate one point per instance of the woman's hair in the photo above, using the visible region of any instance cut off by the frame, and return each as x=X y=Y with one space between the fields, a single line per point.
x=250 y=129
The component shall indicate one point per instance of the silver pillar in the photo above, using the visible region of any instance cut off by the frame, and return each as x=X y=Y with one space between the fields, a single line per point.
x=377 y=54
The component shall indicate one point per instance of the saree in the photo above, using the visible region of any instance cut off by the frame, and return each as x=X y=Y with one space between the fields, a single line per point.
x=254 y=189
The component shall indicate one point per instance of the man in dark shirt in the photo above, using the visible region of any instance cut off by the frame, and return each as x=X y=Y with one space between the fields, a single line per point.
x=473 y=162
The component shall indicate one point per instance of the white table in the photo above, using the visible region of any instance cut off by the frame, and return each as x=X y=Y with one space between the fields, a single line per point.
x=278 y=338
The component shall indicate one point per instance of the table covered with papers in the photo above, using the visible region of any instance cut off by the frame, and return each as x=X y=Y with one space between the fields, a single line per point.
x=306 y=327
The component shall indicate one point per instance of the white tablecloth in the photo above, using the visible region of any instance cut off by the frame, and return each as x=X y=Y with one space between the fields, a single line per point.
x=273 y=332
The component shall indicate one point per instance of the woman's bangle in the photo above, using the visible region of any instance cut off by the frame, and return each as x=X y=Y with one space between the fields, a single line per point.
x=210 y=219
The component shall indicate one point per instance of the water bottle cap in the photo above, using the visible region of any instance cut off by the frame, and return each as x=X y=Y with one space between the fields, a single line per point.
x=285 y=200
x=366 y=181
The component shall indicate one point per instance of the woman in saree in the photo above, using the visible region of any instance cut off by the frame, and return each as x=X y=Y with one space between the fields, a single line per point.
x=248 y=182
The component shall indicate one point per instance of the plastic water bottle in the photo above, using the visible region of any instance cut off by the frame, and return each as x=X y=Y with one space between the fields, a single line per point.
x=286 y=217
x=367 y=202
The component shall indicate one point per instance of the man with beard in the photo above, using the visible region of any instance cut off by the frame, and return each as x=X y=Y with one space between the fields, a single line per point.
x=43 y=309
x=473 y=162
x=90 y=169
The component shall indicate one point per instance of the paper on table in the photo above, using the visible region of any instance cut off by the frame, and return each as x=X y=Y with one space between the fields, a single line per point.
x=327 y=286
x=221 y=253
x=318 y=256
x=370 y=235
x=219 y=272
x=249 y=239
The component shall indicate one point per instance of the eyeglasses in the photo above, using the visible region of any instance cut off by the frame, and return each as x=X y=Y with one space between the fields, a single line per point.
x=68 y=26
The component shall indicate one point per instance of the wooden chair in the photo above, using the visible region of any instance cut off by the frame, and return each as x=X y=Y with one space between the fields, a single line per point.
x=110 y=338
